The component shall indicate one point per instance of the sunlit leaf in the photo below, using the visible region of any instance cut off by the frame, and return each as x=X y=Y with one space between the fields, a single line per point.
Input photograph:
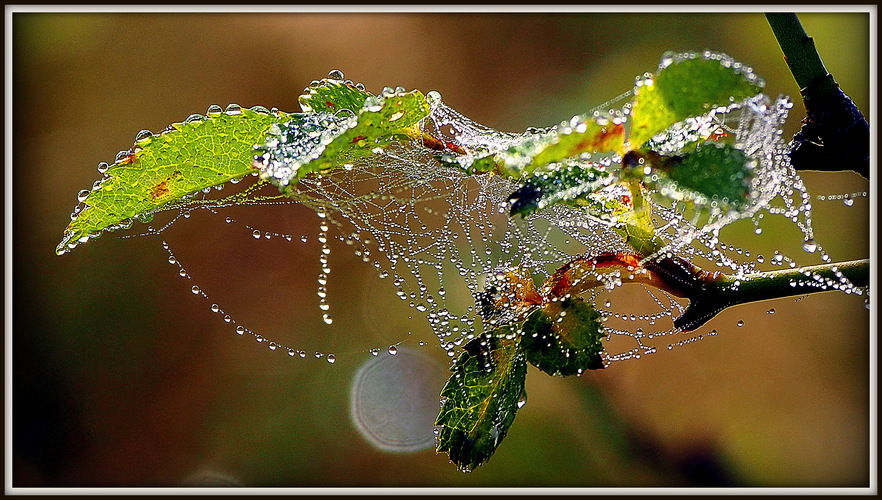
x=332 y=95
x=688 y=85
x=322 y=141
x=481 y=398
x=159 y=169
x=582 y=135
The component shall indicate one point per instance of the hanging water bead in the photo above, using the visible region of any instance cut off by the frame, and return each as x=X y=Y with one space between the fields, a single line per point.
x=810 y=246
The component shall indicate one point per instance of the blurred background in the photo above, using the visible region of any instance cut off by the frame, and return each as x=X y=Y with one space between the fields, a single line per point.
x=122 y=377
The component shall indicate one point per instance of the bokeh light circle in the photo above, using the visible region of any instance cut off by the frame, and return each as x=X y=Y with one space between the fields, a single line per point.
x=394 y=400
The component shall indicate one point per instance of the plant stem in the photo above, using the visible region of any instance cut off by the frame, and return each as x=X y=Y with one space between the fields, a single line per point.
x=835 y=135
x=799 y=48
x=725 y=291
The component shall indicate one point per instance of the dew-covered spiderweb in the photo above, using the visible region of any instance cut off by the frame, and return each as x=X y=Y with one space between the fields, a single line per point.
x=435 y=234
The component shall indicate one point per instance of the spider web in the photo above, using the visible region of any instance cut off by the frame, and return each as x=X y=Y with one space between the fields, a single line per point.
x=428 y=227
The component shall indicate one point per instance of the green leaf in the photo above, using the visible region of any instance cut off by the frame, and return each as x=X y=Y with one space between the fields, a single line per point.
x=564 y=337
x=322 y=141
x=600 y=192
x=718 y=171
x=687 y=85
x=584 y=134
x=161 y=169
x=481 y=398
x=331 y=95
x=581 y=135
x=570 y=184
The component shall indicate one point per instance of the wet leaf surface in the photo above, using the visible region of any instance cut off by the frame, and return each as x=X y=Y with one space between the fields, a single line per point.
x=163 y=168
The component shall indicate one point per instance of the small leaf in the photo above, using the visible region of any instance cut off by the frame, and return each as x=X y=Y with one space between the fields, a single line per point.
x=481 y=398
x=688 y=85
x=570 y=184
x=582 y=134
x=718 y=171
x=331 y=95
x=564 y=337
x=703 y=171
x=321 y=141
x=600 y=192
x=161 y=169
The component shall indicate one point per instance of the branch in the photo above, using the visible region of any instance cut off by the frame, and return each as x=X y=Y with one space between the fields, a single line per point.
x=725 y=291
x=834 y=132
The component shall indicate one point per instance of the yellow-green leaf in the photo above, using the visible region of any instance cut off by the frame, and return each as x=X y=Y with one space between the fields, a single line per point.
x=186 y=158
x=318 y=142
x=687 y=85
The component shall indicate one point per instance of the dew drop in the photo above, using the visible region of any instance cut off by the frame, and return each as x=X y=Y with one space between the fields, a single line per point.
x=433 y=97
x=771 y=311
x=327 y=319
x=240 y=329
x=256 y=234
x=740 y=323
x=393 y=350
x=331 y=358
x=215 y=308
x=195 y=289
x=810 y=246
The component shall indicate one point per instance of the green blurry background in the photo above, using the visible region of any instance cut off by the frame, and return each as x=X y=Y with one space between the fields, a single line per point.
x=122 y=377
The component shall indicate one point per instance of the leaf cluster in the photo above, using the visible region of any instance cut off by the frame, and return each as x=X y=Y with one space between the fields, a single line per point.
x=605 y=163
